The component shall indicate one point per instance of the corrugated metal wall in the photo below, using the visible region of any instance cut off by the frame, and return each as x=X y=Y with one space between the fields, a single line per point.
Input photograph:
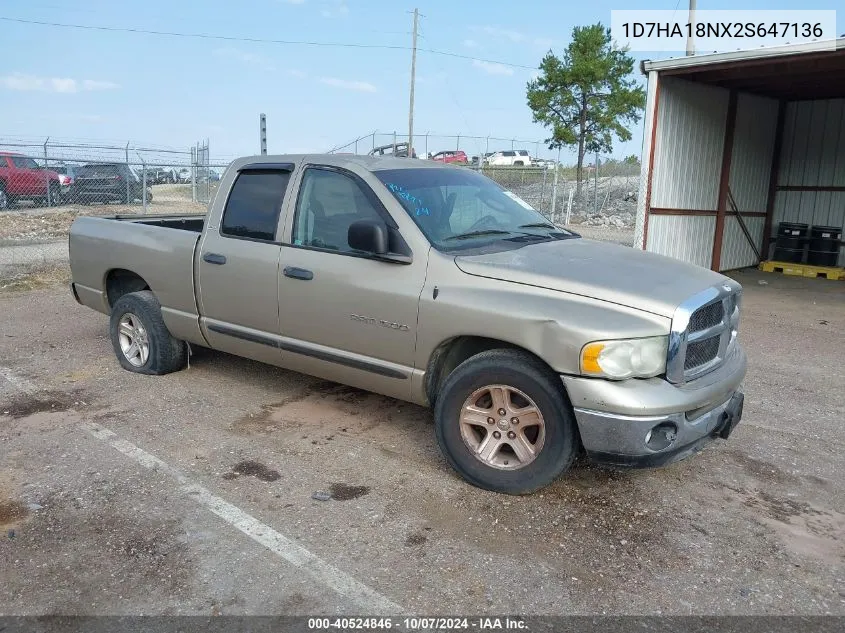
x=688 y=146
x=736 y=251
x=687 y=161
x=754 y=142
x=687 y=164
x=688 y=238
x=813 y=144
x=813 y=156
x=751 y=167
x=648 y=123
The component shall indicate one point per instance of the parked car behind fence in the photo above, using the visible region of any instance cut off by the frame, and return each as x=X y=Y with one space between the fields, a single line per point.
x=107 y=182
x=508 y=158
x=451 y=156
x=21 y=178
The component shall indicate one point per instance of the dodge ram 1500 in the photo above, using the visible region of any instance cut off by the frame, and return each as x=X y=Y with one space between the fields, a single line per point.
x=432 y=284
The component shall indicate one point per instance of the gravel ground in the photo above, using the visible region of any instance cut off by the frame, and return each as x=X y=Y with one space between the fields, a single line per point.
x=624 y=236
x=28 y=224
x=750 y=526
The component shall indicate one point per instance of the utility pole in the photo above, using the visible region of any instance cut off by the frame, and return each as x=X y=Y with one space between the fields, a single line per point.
x=690 y=38
x=262 y=133
x=413 y=81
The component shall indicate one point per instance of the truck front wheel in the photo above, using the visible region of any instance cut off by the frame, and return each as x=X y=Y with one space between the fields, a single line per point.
x=140 y=339
x=504 y=423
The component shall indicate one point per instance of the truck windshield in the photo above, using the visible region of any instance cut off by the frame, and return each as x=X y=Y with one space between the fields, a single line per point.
x=458 y=208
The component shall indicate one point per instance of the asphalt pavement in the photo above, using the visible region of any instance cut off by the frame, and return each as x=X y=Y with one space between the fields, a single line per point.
x=193 y=493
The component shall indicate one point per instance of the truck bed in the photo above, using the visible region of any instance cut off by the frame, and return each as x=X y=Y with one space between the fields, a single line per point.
x=192 y=222
x=160 y=250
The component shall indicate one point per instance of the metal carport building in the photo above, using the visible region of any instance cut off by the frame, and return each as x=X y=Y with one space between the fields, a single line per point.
x=758 y=131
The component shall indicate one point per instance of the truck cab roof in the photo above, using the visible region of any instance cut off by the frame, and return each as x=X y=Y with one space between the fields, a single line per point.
x=370 y=163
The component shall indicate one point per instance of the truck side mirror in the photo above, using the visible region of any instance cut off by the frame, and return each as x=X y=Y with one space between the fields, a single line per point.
x=369 y=236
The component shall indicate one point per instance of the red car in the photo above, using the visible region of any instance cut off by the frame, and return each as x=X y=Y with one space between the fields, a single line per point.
x=451 y=156
x=23 y=178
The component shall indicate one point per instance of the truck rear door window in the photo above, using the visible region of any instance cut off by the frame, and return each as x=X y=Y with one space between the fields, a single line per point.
x=252 y=210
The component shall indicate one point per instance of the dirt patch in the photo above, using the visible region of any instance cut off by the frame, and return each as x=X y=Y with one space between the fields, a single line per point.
x=330 y=409
x=344 y=492
x=778 y=508
x=20 y=226
x=762 y=470
x=249 y=468
x=26 y=278
x=24 y=405
x=122 y=547
x=12 y=512
x=415 y=539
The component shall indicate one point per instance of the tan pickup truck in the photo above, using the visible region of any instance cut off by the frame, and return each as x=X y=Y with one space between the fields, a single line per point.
x=431 y=284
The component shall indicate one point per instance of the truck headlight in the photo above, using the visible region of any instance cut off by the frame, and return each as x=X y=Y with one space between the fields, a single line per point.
x=625 y=358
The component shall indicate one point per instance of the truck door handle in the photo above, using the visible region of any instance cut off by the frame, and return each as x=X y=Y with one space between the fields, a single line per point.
x=214 y=258
x=298 y=273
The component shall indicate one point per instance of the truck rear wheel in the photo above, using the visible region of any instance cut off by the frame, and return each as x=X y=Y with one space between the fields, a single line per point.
x=504 y=423
x=140 y=339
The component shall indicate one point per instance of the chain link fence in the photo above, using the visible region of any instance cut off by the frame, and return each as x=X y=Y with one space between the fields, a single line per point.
x=603 y=206
x=45 y=186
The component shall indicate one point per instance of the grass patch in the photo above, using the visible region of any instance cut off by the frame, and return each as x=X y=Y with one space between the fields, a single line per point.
x=39 y=277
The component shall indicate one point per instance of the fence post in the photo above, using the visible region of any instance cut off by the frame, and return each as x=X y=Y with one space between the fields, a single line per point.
x=194 y=173
x=569 y=206
x=143 y=183
x=356 y=145
x=537 y=150
x=554 y=186
x=596 y=186
x=512 y=143
x=426 y=144
x=374 y=141
x=543 y=186
x=394 y=141
x=128 y=192
x=47 y=173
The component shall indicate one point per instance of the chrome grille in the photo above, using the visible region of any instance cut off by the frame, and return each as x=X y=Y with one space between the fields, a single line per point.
x=701 y=352
x=708 y=316
x=703 y=334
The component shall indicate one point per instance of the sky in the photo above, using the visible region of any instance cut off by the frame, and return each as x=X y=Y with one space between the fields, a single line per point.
x=170 y=91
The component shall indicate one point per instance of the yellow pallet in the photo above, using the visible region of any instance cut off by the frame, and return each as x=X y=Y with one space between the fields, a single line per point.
x=803 y=270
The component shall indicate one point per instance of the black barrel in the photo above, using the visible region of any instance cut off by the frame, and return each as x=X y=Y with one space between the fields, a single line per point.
x=824 y=245
x=790 y=242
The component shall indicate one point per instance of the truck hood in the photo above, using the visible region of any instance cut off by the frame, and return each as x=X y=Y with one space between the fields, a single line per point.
x=608 y=272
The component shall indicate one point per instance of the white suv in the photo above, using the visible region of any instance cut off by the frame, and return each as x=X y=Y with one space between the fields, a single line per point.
x=509 y=158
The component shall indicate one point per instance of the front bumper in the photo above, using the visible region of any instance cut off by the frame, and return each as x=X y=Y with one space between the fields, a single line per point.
x=615 y=418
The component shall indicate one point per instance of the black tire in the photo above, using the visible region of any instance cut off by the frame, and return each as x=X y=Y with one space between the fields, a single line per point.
x=55 y=195
x=529 y=375
x=166 y=353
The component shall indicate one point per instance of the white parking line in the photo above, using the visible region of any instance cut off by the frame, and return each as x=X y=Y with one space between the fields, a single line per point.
x=369 y=600
x=18 y=382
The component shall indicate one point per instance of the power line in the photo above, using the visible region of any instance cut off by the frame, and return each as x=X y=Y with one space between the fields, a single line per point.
x=258 y=40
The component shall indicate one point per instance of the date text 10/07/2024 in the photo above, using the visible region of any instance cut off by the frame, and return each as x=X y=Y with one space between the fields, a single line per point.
x=417 y=624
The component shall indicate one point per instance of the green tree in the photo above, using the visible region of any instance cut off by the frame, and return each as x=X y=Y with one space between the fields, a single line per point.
x=589 y=96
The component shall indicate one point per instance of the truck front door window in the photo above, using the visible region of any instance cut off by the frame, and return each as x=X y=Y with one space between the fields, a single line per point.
x=252 y=210
x=329 y=202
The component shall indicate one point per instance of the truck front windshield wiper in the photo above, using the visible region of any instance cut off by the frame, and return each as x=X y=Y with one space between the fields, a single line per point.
x=464 y=236
x=537 y=225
